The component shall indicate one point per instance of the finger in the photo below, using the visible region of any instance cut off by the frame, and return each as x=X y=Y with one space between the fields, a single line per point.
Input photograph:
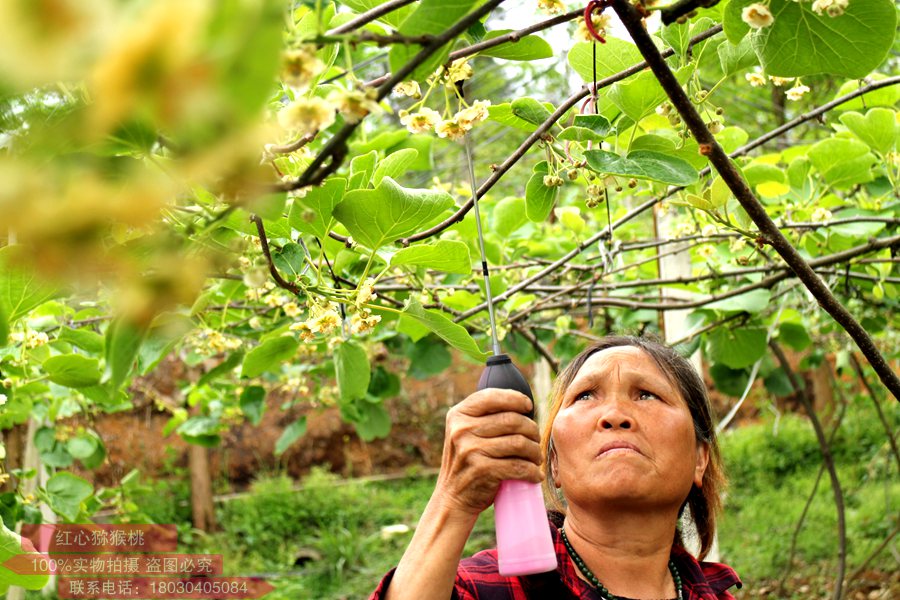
x=511 y=447
x=494 y=400
x=499 y=424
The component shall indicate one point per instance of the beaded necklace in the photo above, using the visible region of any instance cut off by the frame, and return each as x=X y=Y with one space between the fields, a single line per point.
x=605 y=593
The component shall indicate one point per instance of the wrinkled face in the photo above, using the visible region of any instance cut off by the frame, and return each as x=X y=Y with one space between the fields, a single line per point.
x=624 y=435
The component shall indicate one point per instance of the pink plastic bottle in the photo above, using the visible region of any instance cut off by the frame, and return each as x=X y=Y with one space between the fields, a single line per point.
x=524 y=543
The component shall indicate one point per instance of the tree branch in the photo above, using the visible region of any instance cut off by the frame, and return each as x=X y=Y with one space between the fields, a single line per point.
x=369 y=16
x=515 y=36
x=632 y=21
x=539 y=347
x=264 y=243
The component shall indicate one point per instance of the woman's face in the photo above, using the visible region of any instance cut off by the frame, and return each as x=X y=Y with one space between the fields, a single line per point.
x=624 y=435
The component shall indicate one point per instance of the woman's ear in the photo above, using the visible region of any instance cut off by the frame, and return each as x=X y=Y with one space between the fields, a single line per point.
x=554 y=464
x=702 y=462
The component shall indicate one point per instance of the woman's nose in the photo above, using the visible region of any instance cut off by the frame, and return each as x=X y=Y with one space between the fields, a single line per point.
x=614 y=418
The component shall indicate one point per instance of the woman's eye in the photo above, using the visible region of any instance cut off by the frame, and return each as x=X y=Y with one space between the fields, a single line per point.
x=583 y=396
x=645 y=395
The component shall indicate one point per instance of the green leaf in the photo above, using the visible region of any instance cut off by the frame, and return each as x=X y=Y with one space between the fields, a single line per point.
x=430 y=17
x=801 y=43
x=677 y=36
x=4 y=326
x=444 y=255
x=878 y=128
x=20 y=290
x=253 y=403
x=503 y=113
x=530 y=110
x=291 y=434
x=351 y=366
x=290 y=260
x=361 y=170
x=66 y=492
x=596 y=123
x=643 y=164
x=539 y=198
x=843 y=162
x=428 y=358
x=447 y=330
x=530 y=47
x=72 y=370
x=167 y=331
x=268 y=355
x=422 y=144
x=390 y=212
x=613 y=56
x=393 y=18
x=753 y=301
x=736 y=57
x=87 y=340
x=372 y=421
x=123 y=342
x=82 y=446
x=11 y=546
x=736 y=348
x=383 y=384
x=222 y=369
x=885 y=96
x=579 y=134
x=200 y=430
x=312 y=213
x=735 y=27
x=395 y=164
x=794 y=335
x=508 y=216
x=637 y=96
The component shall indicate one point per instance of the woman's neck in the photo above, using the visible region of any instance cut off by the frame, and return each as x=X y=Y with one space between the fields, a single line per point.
x=628 y=553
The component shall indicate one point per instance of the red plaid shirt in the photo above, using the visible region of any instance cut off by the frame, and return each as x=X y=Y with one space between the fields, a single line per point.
x=478 y=579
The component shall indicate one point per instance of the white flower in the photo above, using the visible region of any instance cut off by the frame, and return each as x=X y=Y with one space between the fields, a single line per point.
x=755 y=79
x=706 y=252
x=291 y=309
x=307 y=115
x=459 y=70
x=797 y=92
x=757 y=16
x=298 y=67
x=472 y=115
x=420 y=122
x=832 y=8
x=2 y=399
x=780 y=81
x=710 y=230
x=601 y=23
x=408 y=88
x=551 y=7
x=450 y=129
x=354 y=105
x=820 y=215
x=366 y=292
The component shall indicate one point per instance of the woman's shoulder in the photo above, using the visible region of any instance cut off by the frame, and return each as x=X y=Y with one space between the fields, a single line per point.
x=703 y=580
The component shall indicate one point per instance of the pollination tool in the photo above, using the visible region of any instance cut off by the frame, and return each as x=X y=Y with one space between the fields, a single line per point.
x=524 y=544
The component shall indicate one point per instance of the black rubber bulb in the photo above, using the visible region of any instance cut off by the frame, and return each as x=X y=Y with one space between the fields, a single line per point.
x=500 y=372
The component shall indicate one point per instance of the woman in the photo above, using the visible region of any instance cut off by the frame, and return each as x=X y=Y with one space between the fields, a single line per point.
x=629 y=442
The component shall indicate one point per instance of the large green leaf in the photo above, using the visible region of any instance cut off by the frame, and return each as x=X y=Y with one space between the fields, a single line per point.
x=530 y=47
x=312 y=213
x=351 y=365
x=20 y=289
x=431 y=17
x=445 y=255
x=539 y=198
x=372 y=421
x=291 y=434
x=508 y=216
x=752 y=301
x=503 y=113
x=268 y=355
x=87 y=340
x=643 y=164
x=612 y=57
x=72 y=370
x=736 y=57
x=66 y=492
x=389 y=212
x=531 y=110
x=253 y=403
x=801 y=43
x=11 y=546
x=878 y=128
x=447 y=330
x=123 y=342
x=395 y=164
x=843 y=162
x=737 y=347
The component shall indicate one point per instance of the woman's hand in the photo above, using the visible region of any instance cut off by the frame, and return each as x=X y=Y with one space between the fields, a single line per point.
x=487 y=439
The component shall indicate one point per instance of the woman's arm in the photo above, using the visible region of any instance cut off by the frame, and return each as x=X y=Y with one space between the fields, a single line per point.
x=487 y=439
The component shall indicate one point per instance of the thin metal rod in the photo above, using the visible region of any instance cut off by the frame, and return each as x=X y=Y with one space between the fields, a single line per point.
x=495 y=344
